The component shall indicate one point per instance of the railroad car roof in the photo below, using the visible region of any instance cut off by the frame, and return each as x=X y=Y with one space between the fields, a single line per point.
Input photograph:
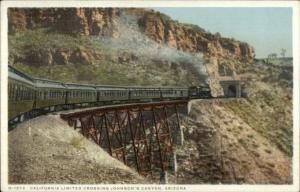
x=172 y=88
x=17 y=75
x=137 y=87
x=48 y=83
x=111 y=88
x=80 y=86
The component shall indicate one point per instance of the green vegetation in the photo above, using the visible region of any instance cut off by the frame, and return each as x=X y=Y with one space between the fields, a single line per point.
x=77 y=142
x=286 y=61
x=267 y=113
x=43 y=38
x=105 y=69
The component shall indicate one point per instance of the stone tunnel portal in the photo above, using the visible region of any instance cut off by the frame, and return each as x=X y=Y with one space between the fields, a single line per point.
x=231 y=88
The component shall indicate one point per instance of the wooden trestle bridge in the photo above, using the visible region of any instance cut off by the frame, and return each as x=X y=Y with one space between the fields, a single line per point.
x=141 y=134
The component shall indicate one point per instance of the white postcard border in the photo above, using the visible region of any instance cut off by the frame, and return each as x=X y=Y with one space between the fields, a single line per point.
x=215 y=188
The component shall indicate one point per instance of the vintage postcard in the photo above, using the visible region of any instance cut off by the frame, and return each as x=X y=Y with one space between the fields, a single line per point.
x=150 y=96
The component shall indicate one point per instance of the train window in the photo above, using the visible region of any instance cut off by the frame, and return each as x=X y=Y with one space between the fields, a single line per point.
x=9 y=90
x=20 y=93
x=28 y=93
x=16 y=92
x=12 y=91
x=23 y=93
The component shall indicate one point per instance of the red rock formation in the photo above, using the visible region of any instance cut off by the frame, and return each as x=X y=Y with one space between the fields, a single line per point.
x=192 y=38
x=156 y=26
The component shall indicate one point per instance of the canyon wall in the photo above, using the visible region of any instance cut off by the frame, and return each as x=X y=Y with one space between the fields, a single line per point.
x=156 y=26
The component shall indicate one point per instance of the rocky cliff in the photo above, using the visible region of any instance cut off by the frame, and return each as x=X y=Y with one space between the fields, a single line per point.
x=102 y=22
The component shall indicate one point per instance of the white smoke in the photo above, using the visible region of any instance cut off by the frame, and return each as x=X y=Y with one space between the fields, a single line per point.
x=130 y=39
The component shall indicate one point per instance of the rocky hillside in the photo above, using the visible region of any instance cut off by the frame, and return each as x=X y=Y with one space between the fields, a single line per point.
x=102 y=22
x=50 y=42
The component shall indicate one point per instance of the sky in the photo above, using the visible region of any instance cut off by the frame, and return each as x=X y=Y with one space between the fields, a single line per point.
x=267 y=29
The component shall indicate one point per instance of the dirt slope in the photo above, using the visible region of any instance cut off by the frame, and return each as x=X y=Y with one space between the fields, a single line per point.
x=221 y=147
x=47 y=150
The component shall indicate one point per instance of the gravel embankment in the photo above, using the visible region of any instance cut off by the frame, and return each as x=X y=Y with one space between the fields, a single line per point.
x=46 y=150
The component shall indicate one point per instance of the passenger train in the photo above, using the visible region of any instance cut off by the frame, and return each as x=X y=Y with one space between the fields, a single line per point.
x=28 y=96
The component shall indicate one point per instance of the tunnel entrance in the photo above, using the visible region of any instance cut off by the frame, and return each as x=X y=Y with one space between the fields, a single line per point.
x=231 y=88
x=232 y=91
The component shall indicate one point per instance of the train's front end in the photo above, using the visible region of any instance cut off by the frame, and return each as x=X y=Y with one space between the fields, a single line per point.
x=200 y=92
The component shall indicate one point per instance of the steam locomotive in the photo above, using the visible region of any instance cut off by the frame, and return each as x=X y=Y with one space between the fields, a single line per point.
x=28 y=96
